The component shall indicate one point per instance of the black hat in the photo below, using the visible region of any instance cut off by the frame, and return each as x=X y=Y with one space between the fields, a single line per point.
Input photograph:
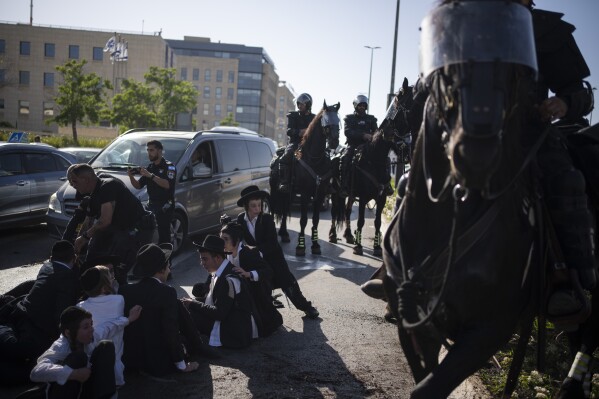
x=63 y=250
x=151 y=258
x=251 y=192
x=212 y=243
x=73 y=314
x=90 y=279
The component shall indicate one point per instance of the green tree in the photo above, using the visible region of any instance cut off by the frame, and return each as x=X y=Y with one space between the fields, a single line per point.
x=154 y=103
x=81 y=97
x=229 y=120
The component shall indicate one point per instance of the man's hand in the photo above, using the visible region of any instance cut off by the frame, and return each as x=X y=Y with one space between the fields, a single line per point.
x=144 y=172
x=186 y=302
x=79 y=244
x=134 y=313
x=80 y=375
x=553 y=108
x=191 y=366
x=241 y=272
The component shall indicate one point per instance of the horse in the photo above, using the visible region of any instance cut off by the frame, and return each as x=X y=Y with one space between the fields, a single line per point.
x=311 y=173
x=463 y=247
x=279 y=205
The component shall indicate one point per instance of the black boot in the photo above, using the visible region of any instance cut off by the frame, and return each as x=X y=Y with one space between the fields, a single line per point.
x=284 y=178
x=298 y=299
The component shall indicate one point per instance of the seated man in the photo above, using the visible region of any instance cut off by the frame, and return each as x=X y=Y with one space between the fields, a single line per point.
x=226 y=313
x=153 y=344
x=30 y=324
x=201 y=161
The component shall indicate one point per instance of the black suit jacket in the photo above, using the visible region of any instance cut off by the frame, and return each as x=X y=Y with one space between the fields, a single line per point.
x=234 y=311
x=267 y=316
x=267 y=243
x=152 y=343
x=56 y=287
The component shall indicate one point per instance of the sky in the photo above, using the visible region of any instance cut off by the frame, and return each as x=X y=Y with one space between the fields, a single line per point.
x=317 y=46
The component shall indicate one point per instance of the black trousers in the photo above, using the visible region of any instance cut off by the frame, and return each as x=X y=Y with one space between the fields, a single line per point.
x=101 y=383
x=163 y=221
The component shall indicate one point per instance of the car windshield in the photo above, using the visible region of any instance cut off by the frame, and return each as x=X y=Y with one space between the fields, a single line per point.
x=131 y=151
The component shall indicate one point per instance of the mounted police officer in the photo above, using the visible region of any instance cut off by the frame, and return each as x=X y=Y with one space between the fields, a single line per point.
x=297 y=123
x=359 y=128
x=160 y=177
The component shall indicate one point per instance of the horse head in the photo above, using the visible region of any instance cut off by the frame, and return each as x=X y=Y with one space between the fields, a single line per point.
x=471 y=70
x=330 y=124
x=399 y=122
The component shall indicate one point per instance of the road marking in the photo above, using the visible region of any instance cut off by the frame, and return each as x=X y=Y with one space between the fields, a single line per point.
x=327 y=264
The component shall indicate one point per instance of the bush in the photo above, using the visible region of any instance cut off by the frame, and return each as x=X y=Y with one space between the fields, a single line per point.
x=62 y=141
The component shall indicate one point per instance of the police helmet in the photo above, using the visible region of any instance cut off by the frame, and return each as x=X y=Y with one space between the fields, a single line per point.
x=360 y=99
x=305 y=98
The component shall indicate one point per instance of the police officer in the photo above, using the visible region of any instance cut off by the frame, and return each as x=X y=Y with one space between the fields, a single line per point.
x=297 y=123
x=159 y=176
x=358 y=128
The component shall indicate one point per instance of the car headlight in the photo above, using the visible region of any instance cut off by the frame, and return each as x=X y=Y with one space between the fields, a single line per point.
x=54 y=204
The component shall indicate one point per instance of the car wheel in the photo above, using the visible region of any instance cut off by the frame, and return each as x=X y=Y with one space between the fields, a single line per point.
x=178 y=231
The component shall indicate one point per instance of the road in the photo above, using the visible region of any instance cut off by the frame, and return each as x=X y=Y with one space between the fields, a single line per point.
x=350 y=352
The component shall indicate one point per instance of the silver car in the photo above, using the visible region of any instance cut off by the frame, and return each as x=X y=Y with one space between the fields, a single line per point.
x=29 y=174
x=212 y=168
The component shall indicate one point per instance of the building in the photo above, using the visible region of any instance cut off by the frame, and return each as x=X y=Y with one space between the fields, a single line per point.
x=285 y=104
x=229 y=78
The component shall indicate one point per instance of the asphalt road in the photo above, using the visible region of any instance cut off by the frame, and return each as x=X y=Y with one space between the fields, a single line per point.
x=350 y=352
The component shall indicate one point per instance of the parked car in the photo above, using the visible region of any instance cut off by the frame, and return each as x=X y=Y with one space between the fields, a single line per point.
x=83 y=154
x=29 y=174
x=232 y=159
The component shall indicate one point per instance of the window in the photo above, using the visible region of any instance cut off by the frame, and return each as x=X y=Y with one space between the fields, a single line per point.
x=98 y=53
x=196 y=74
x=183 y=73
x=62 y=163
x=237 y=155
x=73 y=52
x=231 y=77
x=206 y=91
x=219 y=75
x=23 y=107
x=1 y=103
x=229 y=108
x=217 y=111
x=207 y=76
x=194 y=111
x=10 y=164
x=206 y=109
x=230 y=93
x=23 y=77
x=25 y=48
x=49 y=50
x=48 y=108
x=48 y=79
x=218 y=93
x=39 y=163
x=2 y=75
x=2 y=46
x=261 y=155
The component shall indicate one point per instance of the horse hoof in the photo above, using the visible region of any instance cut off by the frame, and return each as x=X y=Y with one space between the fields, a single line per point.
x=285 y=238
x=316 y=250
x=333 y=239
x=358 y=250
x=300 y=251
x=378 y=252
x=349 y=238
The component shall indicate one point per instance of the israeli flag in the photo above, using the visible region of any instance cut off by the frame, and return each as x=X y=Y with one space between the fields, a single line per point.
x=110 y=45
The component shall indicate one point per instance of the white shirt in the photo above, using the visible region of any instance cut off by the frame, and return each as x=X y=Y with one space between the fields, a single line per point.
x=235 y=261
x=251 y=225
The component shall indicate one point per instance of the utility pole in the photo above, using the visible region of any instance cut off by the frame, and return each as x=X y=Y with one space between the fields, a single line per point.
x=392 y=89
x=31 y=12
x=370 y=78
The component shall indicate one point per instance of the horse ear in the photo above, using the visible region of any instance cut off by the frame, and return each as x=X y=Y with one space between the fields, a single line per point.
x=324 y=104
x=337 y=106
x=405 y=83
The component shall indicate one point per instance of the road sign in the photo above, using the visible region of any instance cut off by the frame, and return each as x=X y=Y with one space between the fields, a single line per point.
x=18 y=137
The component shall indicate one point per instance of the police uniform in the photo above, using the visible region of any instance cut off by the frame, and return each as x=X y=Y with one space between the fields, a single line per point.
x=355 y=126
x=296 y=122
x=161 y=201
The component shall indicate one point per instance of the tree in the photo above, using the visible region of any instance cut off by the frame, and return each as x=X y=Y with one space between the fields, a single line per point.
x=229 y=120
x=154 y=103
x=80 y=97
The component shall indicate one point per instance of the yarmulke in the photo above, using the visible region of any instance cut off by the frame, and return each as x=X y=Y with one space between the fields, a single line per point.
x=73 y=314
x=90 y=279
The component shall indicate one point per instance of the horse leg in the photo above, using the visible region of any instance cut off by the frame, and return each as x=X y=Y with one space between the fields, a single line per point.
x=347 y=234
x=283 y=233
x=358 y=250
x=315 y=220
x=335 y=209
x=377 y=250
x=472 y=349
x=300 y=249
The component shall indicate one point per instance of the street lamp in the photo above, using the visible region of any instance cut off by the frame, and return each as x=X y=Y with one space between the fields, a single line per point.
x=370 y=78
